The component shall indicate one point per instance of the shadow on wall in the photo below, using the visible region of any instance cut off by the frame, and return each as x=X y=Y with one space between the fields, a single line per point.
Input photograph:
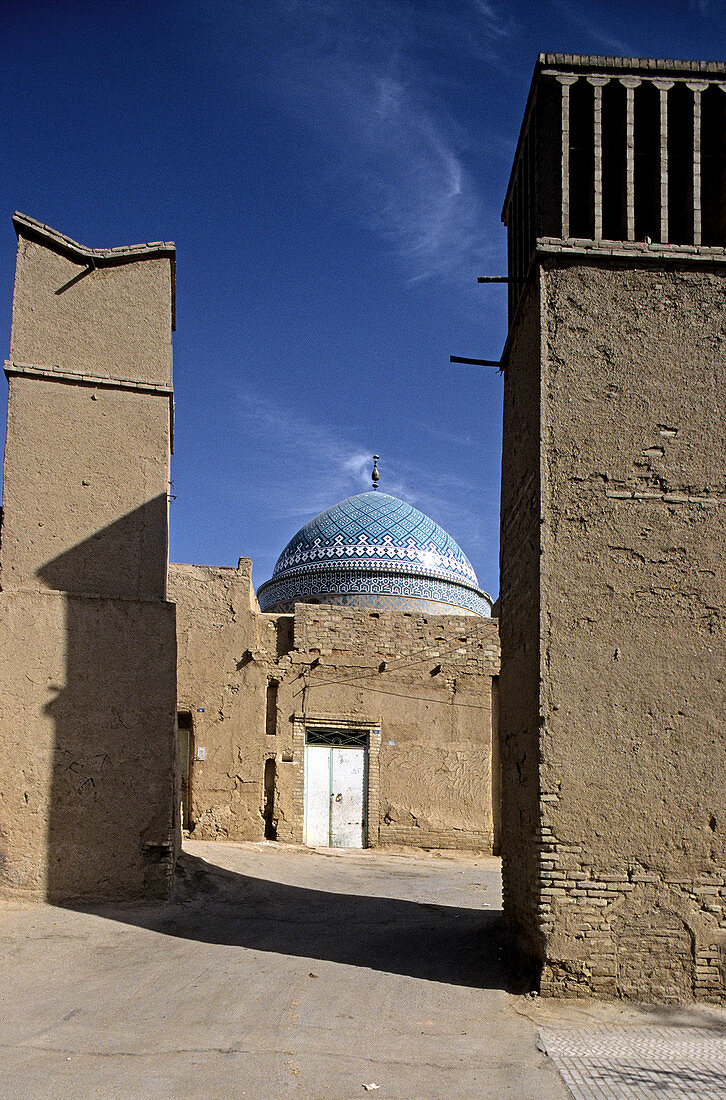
x=127 y=558
x=437 y=943
x=112 y=804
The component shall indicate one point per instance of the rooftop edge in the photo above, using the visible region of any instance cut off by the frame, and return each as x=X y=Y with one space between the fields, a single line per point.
x=31 y=227
x=641 y=64
x=584 y=63
x=98 y=257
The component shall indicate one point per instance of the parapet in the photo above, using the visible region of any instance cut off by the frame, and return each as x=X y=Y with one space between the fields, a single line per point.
x=90 y=417
x=99 y=312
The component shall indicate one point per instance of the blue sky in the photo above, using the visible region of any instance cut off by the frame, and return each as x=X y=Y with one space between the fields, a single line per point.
x=332 y=172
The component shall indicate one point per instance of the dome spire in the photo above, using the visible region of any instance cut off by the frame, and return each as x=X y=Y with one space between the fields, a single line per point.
x=375 y=475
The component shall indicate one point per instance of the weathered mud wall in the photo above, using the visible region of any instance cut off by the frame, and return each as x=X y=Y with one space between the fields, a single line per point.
x=421 y=684
x=519 y=627
x=86 y=800
x=81 y=513
x=634 y=631
x=224 y=648
x=87 y=677
x=631 y=888
x=426 y=682
x=93 y=311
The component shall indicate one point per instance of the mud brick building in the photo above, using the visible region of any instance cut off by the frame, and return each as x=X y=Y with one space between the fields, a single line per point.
x=613 y=589
x=357 y=699
x=400 y=704
x=87 y=636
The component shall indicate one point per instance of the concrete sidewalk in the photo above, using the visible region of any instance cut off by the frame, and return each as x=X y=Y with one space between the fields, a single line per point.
x=281 y=971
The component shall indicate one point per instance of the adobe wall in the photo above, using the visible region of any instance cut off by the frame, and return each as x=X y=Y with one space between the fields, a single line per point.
x=87 y=653
x=519 y=602
x=420 y=684
x=86 y=796
x=224 y=648
x=426 y=682
x=92 y=311
x=85 y=485
x=631 y=887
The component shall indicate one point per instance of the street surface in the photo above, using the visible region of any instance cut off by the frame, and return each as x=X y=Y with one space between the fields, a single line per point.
x=283 y=971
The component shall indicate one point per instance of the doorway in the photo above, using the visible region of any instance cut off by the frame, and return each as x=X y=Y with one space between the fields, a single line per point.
x=184 y=735
x=336 y=767
x=268 y=813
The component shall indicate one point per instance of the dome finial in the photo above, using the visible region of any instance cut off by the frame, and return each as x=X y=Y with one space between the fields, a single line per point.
x=375 y=475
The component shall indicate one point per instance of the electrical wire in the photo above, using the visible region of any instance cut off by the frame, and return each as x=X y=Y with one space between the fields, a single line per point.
x=442 y=702
x=406 y=661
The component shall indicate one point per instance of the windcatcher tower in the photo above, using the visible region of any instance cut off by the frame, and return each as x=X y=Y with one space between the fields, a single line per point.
x=87 y=638
x=613 y=593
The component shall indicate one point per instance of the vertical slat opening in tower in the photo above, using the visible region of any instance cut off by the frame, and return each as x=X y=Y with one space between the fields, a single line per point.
x=713 y=166
x=529 y=196
x=547 y=159
x=516 y=228
x=680 y=164
x=582 y=161
x=647 y=162
x=511 y=286
x=614 y=161
x=521 y=226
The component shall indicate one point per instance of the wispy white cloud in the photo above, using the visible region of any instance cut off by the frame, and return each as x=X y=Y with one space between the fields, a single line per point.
x=360 y=85
x=425 y=203
x=714 y=10
x=495 y=17
x=581 y=16
x=317 y=464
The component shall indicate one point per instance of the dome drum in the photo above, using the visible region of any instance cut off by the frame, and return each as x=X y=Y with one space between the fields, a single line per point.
x=372 y=588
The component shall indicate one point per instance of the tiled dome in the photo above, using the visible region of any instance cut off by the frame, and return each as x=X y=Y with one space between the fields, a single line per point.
x=377 y=551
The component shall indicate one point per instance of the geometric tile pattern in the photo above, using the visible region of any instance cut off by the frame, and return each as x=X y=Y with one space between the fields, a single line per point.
x=374 y=526
x=639 y=1063
x=373 y=544
x=382 y=603
x=326 y=584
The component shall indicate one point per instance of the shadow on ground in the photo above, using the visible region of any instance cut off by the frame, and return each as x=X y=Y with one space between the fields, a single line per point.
x=685 y=1081
x=437 y=943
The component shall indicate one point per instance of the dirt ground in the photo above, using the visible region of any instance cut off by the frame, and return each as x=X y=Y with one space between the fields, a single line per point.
x=278 y=971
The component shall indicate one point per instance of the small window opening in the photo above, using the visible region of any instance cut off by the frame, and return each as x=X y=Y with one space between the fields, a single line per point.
x=184 y=741
x=285 y=634
x=271 y=708
x=269 y=807
x=343 y=738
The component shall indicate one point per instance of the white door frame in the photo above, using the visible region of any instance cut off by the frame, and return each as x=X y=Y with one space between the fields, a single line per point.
x=327 y=720
x=324 y=770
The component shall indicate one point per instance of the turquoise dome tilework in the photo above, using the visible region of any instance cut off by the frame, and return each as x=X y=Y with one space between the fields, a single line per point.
x=374 y=550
